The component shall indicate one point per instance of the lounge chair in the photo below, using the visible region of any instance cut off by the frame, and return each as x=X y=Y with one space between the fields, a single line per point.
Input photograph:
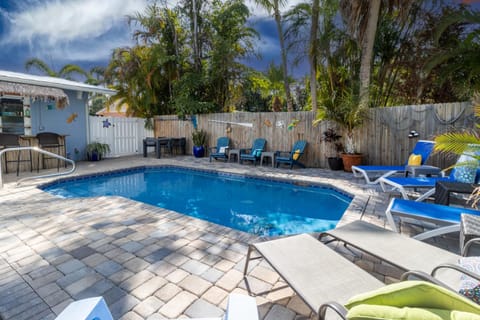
x=406 y=300
x=291 y=157
x=254 y=153
x=319 y=274
x=423 y=148
x=220 y=151
x=401 y=184
x=239 y=307
x=446 y=218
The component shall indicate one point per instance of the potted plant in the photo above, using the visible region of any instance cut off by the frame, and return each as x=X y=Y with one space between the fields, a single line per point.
x=199 y=138
x=331 y=137
x=345 y=109
x=96 y=151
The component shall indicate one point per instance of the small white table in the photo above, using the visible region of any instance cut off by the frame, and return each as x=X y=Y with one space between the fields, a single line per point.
x=268 y=154
x=234 y=152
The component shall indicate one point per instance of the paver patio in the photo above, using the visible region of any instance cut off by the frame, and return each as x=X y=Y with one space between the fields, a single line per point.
x=148 y=262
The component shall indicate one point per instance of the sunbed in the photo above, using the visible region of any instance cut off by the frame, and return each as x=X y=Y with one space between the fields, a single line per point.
x=445 y=217
x=373 y=173
x=319 y=274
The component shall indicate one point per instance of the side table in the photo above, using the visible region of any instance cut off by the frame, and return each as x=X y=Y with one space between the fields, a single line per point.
x=268 y=154
x=444 y=188
x=469 y=229
x=234 y=152
x=423 y=171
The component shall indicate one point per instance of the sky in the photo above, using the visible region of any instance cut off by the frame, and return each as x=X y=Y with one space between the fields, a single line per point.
x=84 y=32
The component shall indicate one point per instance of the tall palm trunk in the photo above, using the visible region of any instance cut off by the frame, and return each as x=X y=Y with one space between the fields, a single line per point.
x=367 y=51
x=313 y=59
x=278 y=21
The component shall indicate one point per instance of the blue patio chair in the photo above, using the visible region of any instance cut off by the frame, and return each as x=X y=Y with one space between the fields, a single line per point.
x=445 y=217
x=291 y=157
x=220 y=151
x=254 y=153
x=423 y=148
x=469 y=172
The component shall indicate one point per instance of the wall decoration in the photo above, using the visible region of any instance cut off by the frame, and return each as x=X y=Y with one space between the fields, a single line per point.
x=293 y=124
x=72 y=117
x=243 y=124
x=267 y=122
x=280 y=124
x=106 y=123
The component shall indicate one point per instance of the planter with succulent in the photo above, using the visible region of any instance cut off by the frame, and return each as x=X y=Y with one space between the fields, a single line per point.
x=96 y=151
x=199 y=138
x=332 y=138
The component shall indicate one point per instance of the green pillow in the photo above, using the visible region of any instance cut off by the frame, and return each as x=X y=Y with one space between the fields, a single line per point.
x=375 y=312
x=415 y=294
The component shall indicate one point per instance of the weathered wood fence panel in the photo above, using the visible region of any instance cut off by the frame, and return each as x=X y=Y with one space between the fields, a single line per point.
x=383 y=139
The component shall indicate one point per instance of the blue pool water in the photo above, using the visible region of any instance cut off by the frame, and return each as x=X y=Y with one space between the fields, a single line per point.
x=258 y=206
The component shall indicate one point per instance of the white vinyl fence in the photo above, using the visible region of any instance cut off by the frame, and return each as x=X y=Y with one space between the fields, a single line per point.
x=124 y=135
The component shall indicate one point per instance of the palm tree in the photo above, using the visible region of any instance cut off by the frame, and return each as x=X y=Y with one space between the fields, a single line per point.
x=65 y=72
x=274 y=6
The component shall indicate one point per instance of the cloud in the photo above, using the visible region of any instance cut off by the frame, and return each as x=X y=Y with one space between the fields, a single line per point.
x=59 y=22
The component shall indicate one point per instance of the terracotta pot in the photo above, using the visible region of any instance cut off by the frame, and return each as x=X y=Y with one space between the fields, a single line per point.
x=350 y=160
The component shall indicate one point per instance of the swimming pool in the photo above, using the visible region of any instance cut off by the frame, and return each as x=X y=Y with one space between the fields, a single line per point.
x=255 y=205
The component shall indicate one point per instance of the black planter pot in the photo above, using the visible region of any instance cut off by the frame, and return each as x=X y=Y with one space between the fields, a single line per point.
x=335 y=163
x=94 y=156
x=198 y=151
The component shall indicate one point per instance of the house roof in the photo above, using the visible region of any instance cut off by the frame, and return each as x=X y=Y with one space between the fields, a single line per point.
x=23 y=78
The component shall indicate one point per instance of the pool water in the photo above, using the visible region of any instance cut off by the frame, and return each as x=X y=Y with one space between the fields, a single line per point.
x=258 y=206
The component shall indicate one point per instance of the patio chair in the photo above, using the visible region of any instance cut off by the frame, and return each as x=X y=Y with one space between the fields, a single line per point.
x=457 y=174
x=291 y=157
x=423 y=148
x=253 y=154
x=446 y=218
x=220 y=151
x=239 y=307
x=406 y=300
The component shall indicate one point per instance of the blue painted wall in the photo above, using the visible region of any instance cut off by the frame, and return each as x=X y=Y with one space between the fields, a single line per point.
x=47 y=118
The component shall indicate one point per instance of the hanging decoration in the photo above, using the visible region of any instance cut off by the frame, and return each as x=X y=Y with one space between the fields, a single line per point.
x=243 y=124
x=194 y=121
x=293 y=124
x=106 y=123
x=267 y=122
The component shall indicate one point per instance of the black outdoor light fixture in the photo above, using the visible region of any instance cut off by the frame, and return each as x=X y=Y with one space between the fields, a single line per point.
x=413 y=134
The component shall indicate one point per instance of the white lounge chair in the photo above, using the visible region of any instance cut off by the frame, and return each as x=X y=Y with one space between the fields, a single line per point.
x=373 y=173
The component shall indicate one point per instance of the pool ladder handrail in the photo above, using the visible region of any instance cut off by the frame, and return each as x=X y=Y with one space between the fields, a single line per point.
x=39 y=150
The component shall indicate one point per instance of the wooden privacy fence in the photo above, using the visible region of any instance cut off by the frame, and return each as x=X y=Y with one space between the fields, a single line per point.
x=383 y=139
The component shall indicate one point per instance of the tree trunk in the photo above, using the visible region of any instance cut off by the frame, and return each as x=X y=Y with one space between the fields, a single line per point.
x=313 y=53
x=367 y=51
x=284 y=55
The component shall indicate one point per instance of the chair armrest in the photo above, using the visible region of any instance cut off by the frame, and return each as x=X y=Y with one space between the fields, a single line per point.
x=280 y=153
x=468 y=244
x=456 y=268
x=245 y=150
x=335 y=306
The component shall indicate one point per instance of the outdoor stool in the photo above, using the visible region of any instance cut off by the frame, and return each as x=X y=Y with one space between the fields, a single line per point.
x=10 y=140
x=49 y=141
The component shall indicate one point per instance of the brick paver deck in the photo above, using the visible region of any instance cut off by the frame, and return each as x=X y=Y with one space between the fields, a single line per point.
x=147 y=262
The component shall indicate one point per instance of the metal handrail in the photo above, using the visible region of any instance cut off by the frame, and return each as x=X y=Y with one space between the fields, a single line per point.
x=37 y=149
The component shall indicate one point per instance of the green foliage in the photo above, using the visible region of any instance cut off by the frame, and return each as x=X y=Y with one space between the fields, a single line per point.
x=101 y=148
x=199 y=138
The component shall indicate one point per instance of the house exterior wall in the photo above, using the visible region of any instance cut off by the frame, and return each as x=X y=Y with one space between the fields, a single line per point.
x=70 y=121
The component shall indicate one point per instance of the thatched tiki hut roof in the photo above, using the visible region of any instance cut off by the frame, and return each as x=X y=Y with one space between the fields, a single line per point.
x=35 y=92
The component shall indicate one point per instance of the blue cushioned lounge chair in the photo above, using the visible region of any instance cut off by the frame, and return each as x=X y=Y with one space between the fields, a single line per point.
x=254 y=153
x=447 y=218
x=369 y=172
x=220 y=151
x=291 y=157
x=401 y=184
